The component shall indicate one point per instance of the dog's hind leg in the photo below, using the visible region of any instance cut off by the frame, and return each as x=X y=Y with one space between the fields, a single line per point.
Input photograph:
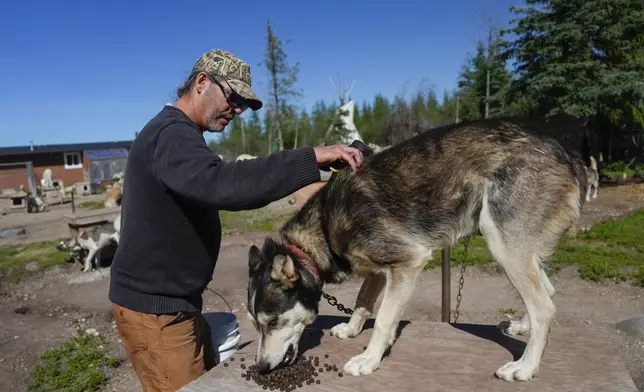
x=522 y=326
x=399 y=287
x=365 y=302
x=595 y=186
x=519 y=255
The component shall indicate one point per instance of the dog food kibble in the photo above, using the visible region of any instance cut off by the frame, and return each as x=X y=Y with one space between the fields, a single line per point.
x=225 y=364
x=326 y=355
x=242 y=359
x=284 y=378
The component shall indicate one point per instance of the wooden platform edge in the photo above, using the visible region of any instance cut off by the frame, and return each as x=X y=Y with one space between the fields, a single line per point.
x=88 y=217
x=462 y=358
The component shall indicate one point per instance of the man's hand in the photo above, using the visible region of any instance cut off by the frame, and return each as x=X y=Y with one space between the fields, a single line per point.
x=326 y=155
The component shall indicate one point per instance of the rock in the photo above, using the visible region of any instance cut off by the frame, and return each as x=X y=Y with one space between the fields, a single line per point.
x=633 y=327
x=33 y=266
x=21 y=310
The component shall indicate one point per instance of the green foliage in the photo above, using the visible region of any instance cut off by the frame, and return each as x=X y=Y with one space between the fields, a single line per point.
x=473 y=82
x=283 y=78
x=609 y=250
x=579 y=58
x=77 y=365
x=13 y=258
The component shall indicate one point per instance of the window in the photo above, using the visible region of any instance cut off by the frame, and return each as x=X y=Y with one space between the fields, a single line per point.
x=73 y=160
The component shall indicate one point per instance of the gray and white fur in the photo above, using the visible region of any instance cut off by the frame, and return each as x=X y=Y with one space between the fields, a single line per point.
x=593 y=178
x=502 y=178
x=85 y=246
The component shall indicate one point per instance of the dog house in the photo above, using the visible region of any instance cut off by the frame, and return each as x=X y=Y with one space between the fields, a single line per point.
x=105 y=164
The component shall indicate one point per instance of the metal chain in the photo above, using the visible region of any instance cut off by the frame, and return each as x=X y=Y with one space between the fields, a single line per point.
x=461 y=281
x=334 y=302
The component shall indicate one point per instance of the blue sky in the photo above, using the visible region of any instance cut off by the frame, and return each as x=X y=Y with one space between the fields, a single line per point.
x=84 y=71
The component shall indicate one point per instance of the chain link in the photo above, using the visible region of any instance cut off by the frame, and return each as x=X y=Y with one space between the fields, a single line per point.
x=334 y=302
x=461 y=281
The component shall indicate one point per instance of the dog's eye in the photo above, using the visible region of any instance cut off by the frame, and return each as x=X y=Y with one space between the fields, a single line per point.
x=272 y=323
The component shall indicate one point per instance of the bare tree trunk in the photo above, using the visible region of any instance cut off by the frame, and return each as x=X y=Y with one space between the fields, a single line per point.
x=243 y=135
x=487 y=91
x=297 y=129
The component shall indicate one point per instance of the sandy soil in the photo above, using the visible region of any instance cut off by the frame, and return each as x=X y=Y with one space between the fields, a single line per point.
x=56 y=307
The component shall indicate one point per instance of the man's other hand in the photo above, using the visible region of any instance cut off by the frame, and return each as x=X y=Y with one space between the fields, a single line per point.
x=326 y=155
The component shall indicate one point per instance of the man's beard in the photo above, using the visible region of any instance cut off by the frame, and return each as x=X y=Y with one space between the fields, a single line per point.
x=214 y=126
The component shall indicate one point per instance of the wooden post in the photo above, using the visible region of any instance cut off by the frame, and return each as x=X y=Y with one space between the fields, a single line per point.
x=445 y=284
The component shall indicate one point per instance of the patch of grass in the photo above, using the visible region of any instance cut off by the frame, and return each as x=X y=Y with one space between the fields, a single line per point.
x=239 y=222
x=477 y=254
x=13 y=258
x=92 y=204
x=79 y=364
x=510 y=311
x=609 y=250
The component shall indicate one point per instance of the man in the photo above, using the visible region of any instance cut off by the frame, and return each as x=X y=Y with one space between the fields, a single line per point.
x=171 y=232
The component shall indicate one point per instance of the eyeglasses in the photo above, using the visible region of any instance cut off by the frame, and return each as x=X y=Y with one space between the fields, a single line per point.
x=235 y=100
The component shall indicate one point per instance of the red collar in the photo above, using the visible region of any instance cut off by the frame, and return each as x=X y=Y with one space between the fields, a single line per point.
x=303 y=256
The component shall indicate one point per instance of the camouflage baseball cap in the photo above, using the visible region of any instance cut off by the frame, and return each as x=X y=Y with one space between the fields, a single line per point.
x=235 y=70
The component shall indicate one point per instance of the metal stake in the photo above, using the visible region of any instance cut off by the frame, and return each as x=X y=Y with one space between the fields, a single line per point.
x=445 y=284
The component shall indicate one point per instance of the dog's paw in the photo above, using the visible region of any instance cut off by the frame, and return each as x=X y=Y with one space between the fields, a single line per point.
x=513 y=327
x=516 y=371
x=362 y=365
x=587 y=198
x=344 y=330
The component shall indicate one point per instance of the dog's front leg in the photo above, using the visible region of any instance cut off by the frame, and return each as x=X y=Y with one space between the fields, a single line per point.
x=88 y=259
x=399 y=287
x=365 y=302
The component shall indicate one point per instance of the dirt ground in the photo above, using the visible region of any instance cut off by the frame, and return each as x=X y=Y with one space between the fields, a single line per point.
x=56 y=306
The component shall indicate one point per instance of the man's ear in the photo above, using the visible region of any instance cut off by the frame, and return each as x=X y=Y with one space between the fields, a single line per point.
x=254 y=258
x=284 y=270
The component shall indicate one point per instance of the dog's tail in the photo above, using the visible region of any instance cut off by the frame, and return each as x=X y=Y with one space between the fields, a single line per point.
x=593 y=163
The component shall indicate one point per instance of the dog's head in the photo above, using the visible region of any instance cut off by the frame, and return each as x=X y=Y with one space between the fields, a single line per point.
x=283 y=298
x=73 y=246
x=69 y=245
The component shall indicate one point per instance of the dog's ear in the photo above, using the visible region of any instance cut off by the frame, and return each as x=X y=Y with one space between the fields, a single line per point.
x=254 y=258
x=283 y=270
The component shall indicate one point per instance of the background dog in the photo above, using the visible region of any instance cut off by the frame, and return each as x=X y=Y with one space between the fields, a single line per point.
x=501 y=177
x=593 y=178
x=88 y=243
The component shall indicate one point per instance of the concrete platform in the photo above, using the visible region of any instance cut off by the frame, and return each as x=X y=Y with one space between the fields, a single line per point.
x=432 y=356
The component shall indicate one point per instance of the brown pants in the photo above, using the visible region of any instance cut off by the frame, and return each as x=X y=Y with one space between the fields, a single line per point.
x=167 y=351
